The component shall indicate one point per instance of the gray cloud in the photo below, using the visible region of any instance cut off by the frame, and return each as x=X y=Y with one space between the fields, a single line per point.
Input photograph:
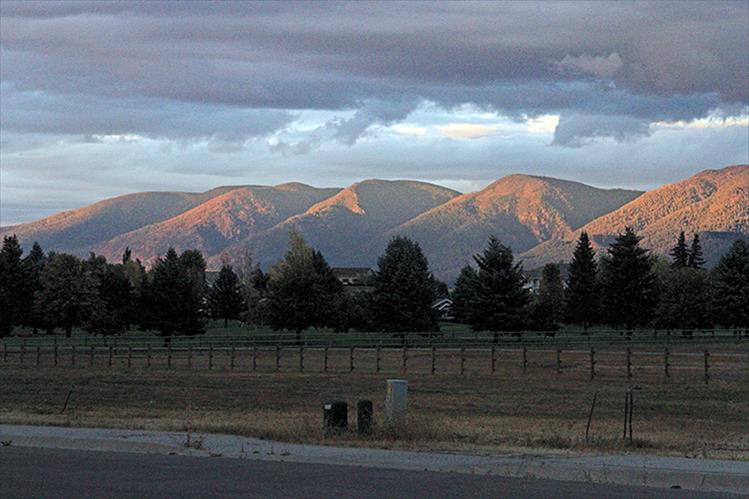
x=660 y=60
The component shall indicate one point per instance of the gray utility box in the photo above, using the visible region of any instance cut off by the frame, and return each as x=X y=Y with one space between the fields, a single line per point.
x=335 y=416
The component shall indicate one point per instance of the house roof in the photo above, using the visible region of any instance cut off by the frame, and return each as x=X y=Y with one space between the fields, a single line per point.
x=347 y=271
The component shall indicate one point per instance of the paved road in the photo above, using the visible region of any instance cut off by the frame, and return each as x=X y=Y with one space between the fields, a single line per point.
x=38 y=472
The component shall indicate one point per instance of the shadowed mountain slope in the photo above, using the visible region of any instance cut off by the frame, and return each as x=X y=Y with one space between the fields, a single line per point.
x=350 y=228
x=714 y=203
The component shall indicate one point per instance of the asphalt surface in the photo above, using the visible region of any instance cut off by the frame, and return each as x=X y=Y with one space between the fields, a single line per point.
x=39 y=472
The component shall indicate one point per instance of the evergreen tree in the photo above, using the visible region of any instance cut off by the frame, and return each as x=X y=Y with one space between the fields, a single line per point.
x=174 y=294
x=548 y=304
x=696 y=261
x=33 y=264
x=111 y=303
x=403 y=289
x=685 y=299
x=581 y=305
x=137 y=279
x=464 y=295
x=629 y=285
x=500 y=297
x=680 y=254
x=12 y=286
x=731 y=286
x=302 y=290
x=67 y=292
x=225 y=299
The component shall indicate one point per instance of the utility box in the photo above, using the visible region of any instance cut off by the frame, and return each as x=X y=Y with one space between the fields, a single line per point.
x=396 y=400
x=364 y=413
x=335 y=416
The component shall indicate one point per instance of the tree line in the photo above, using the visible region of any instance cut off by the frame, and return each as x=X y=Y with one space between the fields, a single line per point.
x=626 y=287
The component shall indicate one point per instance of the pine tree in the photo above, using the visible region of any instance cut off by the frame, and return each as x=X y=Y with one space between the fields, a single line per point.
x=582 y=305
x=12 y=285
x=464 y=294
x=111 y=304
x=403 y=289
x=696 y=261
x=629 y=285
x=731 y=286
x=685 y=299
x=680 y=254
x=548 y=304
x=67 y=293
x=33 y=264
x=225 y=299
x=501 y=298
x=302 y=290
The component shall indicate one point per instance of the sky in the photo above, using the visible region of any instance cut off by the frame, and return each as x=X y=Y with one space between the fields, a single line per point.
x=99 y=99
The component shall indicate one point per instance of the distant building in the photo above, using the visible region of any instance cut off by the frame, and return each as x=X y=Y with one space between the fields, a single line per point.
x=353 y=276
x=443 y=308
x=533 y=277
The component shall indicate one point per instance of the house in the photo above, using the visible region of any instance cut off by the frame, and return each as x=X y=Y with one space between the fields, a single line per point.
x=353 y=276
x=533 y=277
x=443 y=309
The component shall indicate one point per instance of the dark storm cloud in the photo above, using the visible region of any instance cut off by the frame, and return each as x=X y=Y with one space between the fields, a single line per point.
x=634 y=63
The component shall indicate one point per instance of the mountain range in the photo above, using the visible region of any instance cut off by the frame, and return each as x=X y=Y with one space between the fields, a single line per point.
x=539 y=217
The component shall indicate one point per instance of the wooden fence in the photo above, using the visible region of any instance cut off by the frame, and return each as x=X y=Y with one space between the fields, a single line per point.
x=630 y=363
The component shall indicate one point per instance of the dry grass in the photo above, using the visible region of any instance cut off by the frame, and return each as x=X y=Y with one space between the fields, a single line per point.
x=510 y=411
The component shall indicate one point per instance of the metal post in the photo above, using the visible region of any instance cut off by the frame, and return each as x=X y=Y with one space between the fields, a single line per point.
x=707 y=366
x=629 y=363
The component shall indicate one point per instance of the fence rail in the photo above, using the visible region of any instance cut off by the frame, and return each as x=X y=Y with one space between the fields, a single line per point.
x=474 y=359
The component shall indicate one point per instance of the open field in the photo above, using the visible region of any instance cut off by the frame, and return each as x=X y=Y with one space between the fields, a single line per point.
x=535 y=409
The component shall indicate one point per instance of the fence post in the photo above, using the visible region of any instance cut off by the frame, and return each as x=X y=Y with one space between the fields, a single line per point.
x=55 y=361
x=254 y=355
x=5 y=351
x=351 y=360
x=325 y=359
x=210 y=357
x=91 y=356
x=231 y=358
x=301 y=359
x=707 y=366
x=72 y=355
x=666 y=363
x=434 y=359
x=109 y=362
x=38 y=354
x=525 y=358
x=148 y=356
x=405 y=359
x=129 y=356
x=462 y=359
x=189 y=356
x=559 y=361
x=169 y=355
x=23 y=350
x=494 y=359
x=377 y=360
x=629 y=362
x=278 y=358
x=592 y=363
